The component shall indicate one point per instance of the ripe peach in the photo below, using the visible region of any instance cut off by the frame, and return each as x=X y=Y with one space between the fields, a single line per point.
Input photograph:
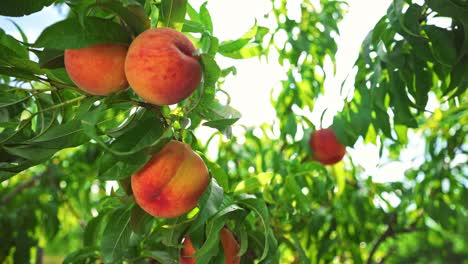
x=98 y=69
x=230 y=246
x=172 y=181
x=228 y=241
x=186 y=251
x=160 y=66
x=326 y=147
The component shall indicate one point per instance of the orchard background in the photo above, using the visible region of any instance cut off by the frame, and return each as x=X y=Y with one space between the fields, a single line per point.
x=61 y=147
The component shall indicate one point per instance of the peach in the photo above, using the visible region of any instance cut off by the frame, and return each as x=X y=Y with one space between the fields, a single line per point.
x=187 y=251
x=228 y=241
x=325 y=146
x=98 y=69
x=161 y=68
x=171 y=182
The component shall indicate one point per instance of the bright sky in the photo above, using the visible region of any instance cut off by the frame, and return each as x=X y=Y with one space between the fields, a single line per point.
x=250 y=88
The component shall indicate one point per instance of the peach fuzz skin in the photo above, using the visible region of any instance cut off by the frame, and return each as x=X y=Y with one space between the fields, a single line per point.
x=228 y=241
x=160 y=66
x=171 y=182
x=326 y=147
x=98 y=69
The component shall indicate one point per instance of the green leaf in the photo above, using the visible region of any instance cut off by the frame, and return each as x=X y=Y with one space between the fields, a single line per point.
x=66 y=135
x=423 y=84
x=443 y=44
x=24 y=38
x=10 y=42
x=111 y=167
x=345 y=134
x=450 y=9
x=12 y=98
x=5 y=175
x=297 y=245
x=11 y=61
x=382 y=122
x=18 y=73
x=30 y=152
x=116 y=236
x=221 y=124
x=172 y=13
x=192 y=26
x=205 y=18
x=17 y=8
x=117 y=164
x=244 y=241
x=70 y=34
x=211 y=246
x=410 y=21
x=459 y=77
x=211 y=70
x=260 y=209
x=249 y=185
x=161 y=256
x=133 y=15
x=402 y=133
x=84 y=255
x=394 y=11
x=294 y=190
x=140 y=221
x=395 y=57
x=192 y=13
x=220 y=116
x=146 y=132
x=51 y=58
x=133 y=141
x=291 y=126
x=171 y=235
x=217 y=172
x=210 y=203
x=235 y=45
x=154 y=16
x=230 y=70
x=361 y=120
x=378 y=30
x=213 y=46
x=93 y=230
x=400 y=102
x=248 y=51
x=420 y=47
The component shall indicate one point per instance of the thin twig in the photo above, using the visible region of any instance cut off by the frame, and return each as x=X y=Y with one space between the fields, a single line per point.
x=154 y=108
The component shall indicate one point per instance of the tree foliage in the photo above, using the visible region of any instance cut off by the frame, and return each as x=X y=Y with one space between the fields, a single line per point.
x=60 y=148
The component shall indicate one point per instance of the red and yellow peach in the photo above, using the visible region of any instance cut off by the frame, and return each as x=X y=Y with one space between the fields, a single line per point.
x=228 y=241
x=325 y=146
x=161 y=68
x=171 y=182
x=98 y=69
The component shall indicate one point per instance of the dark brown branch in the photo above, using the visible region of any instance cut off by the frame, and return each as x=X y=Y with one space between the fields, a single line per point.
x=391 y=232
x=39 y=255
x=377 y=243
x=32 y=182
x=389 y=253
x=29 y=183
